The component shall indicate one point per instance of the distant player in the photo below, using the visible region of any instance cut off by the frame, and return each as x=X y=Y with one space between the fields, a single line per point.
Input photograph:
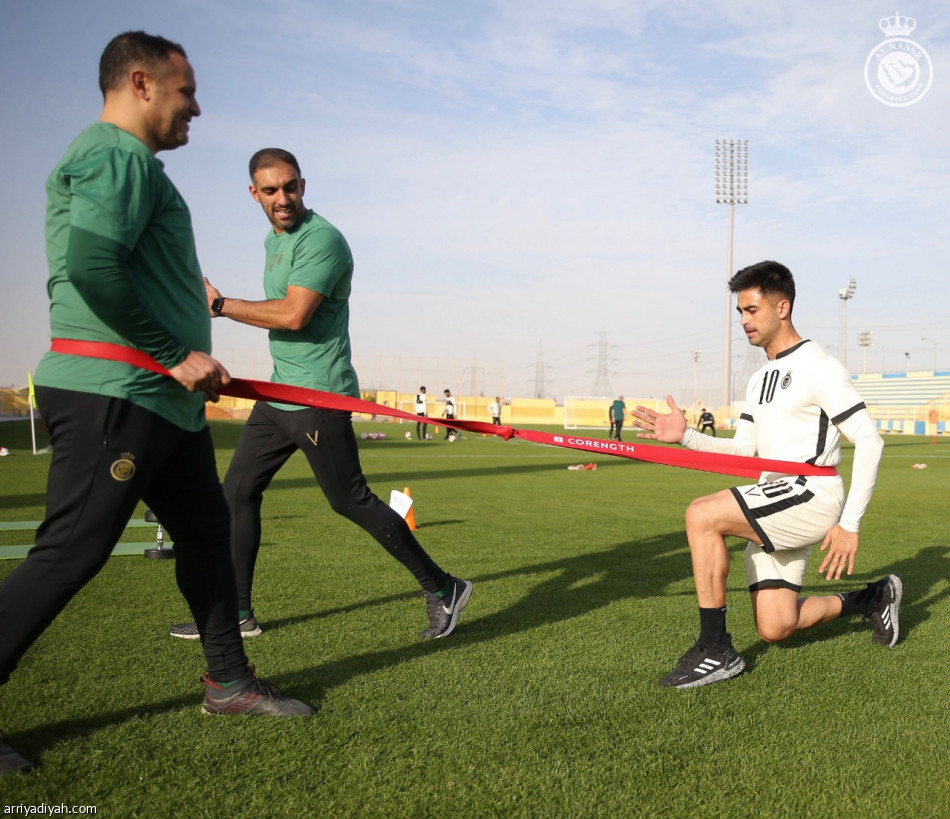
x=797 y=407
x=421 y=427
x=707 y=421
x=494 y=410
x=618 y=411
x=449 y=413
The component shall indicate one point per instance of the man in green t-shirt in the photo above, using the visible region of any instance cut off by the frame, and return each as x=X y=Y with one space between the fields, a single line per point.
x=307 y=279
x=123 y=269
x=618 y=411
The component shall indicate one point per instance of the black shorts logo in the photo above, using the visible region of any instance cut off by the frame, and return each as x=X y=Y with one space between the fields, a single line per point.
x=124 y=468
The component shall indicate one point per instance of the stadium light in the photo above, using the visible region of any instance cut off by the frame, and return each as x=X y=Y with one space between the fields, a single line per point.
x=732 y=188
x=845 y=293
x=924 y=338
x=865 y=340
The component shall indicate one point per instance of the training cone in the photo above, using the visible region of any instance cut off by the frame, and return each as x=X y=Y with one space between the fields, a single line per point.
x=411 y=514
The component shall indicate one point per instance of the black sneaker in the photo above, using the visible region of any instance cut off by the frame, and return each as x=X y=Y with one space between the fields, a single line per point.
x=256 y=698
x=10 y=760
x=884 y=616
x=702 y=665
x=444 y=611
x=189 y=631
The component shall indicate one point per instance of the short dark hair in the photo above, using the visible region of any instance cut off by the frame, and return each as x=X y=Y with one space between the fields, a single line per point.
x=130 y=49
x=266 y=157
x=772 y=278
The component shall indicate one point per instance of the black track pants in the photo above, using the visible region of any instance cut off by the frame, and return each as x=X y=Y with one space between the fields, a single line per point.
x=107 y=455
x=326 y=437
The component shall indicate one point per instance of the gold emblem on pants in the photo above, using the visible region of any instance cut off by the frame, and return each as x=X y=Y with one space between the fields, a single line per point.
x=124 y=468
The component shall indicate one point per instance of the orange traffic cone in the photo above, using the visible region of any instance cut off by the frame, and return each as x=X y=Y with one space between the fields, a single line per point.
x=411 y=514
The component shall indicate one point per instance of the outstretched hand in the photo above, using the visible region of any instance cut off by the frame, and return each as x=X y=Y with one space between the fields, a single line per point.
x=667 y=427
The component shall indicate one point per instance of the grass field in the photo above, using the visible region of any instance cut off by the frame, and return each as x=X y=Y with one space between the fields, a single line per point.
x=545 y=700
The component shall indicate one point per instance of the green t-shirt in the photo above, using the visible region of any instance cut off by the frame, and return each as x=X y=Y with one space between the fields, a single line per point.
x=123 y=268
x=618 y=409
x=316 y=256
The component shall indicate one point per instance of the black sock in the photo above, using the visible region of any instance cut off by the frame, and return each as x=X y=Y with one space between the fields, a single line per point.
x=712 y=627
x=860 y=601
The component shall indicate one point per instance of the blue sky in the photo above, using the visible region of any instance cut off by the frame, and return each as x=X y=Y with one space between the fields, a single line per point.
x=521 y=180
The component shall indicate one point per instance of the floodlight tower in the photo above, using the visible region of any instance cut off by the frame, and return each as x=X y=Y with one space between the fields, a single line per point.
x=865 y=340
x=732 y=188
x=845 y=293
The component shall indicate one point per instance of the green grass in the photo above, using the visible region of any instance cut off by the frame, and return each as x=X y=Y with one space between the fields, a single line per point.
x=543 y=703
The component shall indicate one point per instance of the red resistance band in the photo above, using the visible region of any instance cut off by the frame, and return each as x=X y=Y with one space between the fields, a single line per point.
x=722 y=464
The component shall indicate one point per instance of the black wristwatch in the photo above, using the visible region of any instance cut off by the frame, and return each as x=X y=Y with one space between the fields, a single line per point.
x=217 y=306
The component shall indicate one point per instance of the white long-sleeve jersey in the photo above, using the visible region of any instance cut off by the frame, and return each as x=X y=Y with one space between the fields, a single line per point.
x=797 y=406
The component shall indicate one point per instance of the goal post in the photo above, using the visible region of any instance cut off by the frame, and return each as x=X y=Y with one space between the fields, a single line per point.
x=587 y=412
x=593 y=411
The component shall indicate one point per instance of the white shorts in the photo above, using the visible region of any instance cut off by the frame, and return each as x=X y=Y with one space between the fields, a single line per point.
x=790 y=515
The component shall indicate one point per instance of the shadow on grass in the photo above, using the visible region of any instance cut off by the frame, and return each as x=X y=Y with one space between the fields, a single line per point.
x=634 y=569
x=31 y=743
x=921 y=575
x=429 y=524
x=924 y=578
x=25 y=501
x=493 y=471
x=580 y=585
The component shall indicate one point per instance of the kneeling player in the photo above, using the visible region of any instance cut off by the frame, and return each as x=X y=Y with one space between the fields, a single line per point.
x=796 y=409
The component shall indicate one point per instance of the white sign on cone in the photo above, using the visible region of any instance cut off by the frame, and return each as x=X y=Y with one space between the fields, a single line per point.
x=401 y=502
